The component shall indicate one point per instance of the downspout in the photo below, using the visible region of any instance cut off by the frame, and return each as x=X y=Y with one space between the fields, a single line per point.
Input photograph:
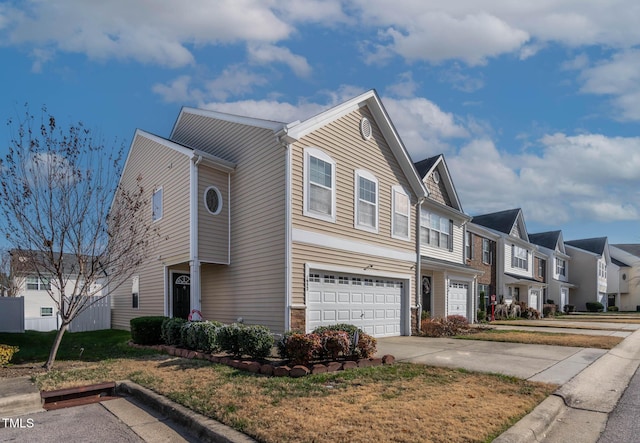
x=418 y=267
x=196 y=300
x=282 y=138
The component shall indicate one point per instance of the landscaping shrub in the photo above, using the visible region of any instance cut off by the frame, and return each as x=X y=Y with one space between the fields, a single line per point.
x=530 y=314
x=366 y=346
x=457 y=323
x=482 y=315
x=549 y=310
x=302 y=348
x=345 y=327
x=444 y=327
x=432 y=327
x=171 y=331
x=335 y=344
x=612 y=309
x=595 y=306
x=201 y=335
x=255 y=341
x=229 y=338
x=568 y=308
x=147 y=330
x=6 y=353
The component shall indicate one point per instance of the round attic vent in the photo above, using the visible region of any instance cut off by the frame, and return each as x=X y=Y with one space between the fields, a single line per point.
x=436 y=176
x=365 y=128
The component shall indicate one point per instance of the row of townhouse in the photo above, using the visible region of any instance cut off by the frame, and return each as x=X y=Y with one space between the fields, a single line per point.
x=328 y=220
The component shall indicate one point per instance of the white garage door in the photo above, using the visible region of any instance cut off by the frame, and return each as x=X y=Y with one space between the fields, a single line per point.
x=457 y=304
x=373 y=304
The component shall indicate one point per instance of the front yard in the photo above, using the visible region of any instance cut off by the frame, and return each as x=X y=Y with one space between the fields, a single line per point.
x=400 y=402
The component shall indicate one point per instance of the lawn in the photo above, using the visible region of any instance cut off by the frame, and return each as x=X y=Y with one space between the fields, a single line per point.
x=400 y=402
x=545 y=338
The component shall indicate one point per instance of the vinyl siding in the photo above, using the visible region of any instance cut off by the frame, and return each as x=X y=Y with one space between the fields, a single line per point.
x=341 y=140
x=437 y=191
x=456 y=255
x=517 y=271
x=213 y=230
x=252 y=286
x=158 y=166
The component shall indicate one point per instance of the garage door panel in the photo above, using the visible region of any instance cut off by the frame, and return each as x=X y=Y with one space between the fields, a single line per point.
x=374 y=305
x=457 y=298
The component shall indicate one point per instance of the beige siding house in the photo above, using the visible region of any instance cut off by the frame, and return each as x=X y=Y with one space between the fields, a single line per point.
x=447 y=282
x=291 y=226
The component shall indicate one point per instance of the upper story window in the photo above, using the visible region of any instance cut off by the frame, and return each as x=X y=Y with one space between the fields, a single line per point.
x=602 y=269
x=436 y=230
x=156 y=205
x=213 y=200
x=38 y=284
x=541 y=265
x=401 y=210
x=519 y=257
x=561 y=267
x=469 y=245
x=366 y=208
x=486 y=251
x=320 y=185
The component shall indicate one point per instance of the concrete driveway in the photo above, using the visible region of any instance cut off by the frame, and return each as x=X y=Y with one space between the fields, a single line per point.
x=543 y=363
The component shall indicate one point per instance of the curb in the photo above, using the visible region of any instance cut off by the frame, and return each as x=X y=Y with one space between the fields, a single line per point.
x=533 y=426
x=201 y=427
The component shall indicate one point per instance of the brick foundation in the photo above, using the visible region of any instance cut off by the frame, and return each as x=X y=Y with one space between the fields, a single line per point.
x=298 y=319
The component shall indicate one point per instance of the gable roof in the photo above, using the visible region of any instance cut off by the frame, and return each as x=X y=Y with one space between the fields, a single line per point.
x=30 y=261
x=548 y=239
x=427 y=166
x=619 y=263
x=631 y=248
x=502 y=221
x=596 y=245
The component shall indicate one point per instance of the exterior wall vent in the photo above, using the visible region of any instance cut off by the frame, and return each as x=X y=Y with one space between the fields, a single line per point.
x=365 y=128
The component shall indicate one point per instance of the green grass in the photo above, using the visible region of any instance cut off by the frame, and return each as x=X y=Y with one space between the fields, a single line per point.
x=85 y=346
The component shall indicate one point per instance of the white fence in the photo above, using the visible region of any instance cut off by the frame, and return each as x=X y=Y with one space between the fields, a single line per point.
x=12 y=319
x=11 y=314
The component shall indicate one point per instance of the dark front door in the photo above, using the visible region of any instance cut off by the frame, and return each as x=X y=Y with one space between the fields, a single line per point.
x=181 y=295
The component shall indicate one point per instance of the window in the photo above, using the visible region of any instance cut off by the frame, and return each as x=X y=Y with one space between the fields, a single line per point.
x=213 y=200
x=38 y=284
x=519 y=257
x=436 y=230
x=401 y=208
x=156 y=210
x=486 y=251
x=541 y=266
x=320 y=185
x=602 y=269
x=469 y=246
x=135 y=292
x=46 y=311
x=366 y=197
x=561 y=267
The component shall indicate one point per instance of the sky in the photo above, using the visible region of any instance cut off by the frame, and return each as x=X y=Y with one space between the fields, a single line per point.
x=535 y=105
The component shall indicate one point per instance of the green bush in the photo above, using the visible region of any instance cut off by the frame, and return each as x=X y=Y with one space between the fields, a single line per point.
x=229 y=338
x=595 y=306
x=569 y=308
x=6 y=353
x=201 y=335
x=171 y=331
x=147 y=330
x=255 y=341
x=612 y=309
x=335 y=344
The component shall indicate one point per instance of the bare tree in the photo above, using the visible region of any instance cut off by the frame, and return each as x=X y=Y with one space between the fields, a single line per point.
x=67 y=218
x=8 y=284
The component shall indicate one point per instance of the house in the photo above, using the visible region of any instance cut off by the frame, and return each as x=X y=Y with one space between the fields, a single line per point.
x=627 y=258
x=516 y=278
x=589 y=262
x=480 y=254
x=31 y=281
x=448 y=283
x=551 y=243
x=288 y=225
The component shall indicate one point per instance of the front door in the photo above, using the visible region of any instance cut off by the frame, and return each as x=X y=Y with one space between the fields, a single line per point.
x=181 y=295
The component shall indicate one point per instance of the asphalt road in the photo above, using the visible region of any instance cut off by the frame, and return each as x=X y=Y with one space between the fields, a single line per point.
x=623 y=425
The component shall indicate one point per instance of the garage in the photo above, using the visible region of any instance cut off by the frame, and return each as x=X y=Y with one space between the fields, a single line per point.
x=371 y=303
x=457 y=300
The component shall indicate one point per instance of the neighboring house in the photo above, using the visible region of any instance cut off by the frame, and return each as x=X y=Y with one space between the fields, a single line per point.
x=291 y=226
x=590 y=260
x=557 y=266
x=448 y=284
x=627 y=258
x=40 y=310
x=516 y=279
x=480 y=254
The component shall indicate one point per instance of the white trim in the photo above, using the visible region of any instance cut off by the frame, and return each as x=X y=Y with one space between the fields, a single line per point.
x=356 y=198
x=248 y=121
x=353 y=246
x=320 y=155
x=170 y=301
x=288 y=229
x=220 y=201
x=229 y=219
x=400 y=190
x=167 y=298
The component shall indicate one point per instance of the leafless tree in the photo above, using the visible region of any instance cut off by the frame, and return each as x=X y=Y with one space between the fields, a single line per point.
x=67 y=218
x=8 y=284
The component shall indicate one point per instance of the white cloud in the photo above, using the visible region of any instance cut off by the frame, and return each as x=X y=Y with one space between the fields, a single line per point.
x=178 y=91
x=267 y=53
x=404 y=87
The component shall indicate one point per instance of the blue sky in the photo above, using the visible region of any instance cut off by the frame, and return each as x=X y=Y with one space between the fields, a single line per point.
x=534 y=104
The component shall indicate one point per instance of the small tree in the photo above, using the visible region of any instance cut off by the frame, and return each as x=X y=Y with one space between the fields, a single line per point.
x=68 y=220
